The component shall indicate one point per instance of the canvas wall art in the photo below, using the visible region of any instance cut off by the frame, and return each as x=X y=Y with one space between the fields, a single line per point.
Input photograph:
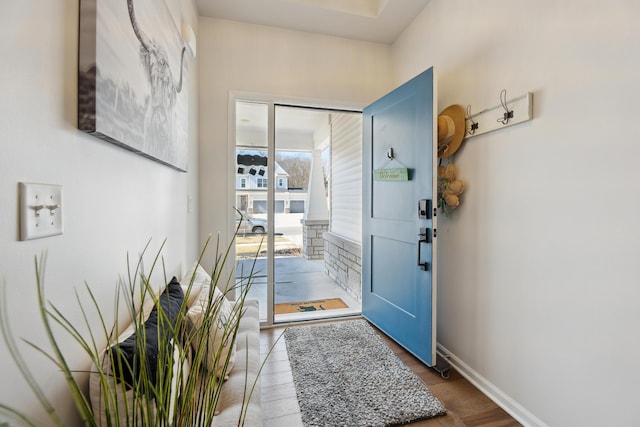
x=132 y=71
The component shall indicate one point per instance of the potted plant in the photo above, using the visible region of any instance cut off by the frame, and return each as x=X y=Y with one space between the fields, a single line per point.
x=155 y=376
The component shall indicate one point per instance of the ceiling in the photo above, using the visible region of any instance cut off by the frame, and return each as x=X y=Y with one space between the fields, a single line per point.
x=380 y=21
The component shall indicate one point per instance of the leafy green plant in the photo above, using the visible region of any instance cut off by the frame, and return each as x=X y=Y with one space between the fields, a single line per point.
x=180 y=392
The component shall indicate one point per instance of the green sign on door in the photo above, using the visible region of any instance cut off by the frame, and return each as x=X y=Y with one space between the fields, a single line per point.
x=399 y=174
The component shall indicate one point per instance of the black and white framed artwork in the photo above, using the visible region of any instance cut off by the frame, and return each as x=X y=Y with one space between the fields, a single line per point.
x=132 y=71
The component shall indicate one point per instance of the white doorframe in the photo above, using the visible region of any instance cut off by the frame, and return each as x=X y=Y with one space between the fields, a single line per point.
x=271 y=101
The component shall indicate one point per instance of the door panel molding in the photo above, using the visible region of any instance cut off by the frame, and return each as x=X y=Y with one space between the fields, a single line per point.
x=398 y=292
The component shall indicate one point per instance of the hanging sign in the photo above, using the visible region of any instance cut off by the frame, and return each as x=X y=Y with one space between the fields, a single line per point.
x=398 y=174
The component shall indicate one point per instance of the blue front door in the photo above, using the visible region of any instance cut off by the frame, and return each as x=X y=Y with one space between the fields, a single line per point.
x=398 y=256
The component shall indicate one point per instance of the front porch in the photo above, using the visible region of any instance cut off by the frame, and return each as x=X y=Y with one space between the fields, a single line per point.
x=296 y=280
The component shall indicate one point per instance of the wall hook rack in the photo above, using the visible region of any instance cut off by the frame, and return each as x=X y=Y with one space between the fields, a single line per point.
x=508 y=114
x=513 y=111
x=473 y=126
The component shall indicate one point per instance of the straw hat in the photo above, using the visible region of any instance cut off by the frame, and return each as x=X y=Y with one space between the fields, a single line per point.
x=451 y=130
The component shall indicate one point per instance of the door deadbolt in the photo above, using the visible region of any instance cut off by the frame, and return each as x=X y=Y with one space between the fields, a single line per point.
x=424 y=209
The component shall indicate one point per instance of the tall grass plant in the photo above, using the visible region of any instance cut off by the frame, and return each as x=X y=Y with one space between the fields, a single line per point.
x=182 y=393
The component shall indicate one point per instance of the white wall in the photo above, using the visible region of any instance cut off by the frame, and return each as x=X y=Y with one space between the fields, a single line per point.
x=114 y=200
x=538 y=280
x=243 y=58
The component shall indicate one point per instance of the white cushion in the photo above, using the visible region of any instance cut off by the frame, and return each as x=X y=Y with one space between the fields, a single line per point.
x=196 y=277
x=220 y=342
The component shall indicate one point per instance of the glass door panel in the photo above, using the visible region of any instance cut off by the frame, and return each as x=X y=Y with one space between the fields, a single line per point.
x=283 y=163
x=302 y=288
x=251 y=201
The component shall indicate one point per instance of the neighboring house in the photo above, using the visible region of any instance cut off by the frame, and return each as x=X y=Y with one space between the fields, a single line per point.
x=252 y=184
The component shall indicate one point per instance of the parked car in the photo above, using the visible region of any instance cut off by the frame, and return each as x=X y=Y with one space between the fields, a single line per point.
x=248 y=224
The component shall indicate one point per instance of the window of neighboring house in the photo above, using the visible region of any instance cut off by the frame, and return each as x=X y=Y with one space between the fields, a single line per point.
x=280 y=183
x=262 y=182
x=243 y=183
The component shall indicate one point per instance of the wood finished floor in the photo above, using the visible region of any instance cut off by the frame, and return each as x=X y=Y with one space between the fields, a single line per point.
x=465 y=404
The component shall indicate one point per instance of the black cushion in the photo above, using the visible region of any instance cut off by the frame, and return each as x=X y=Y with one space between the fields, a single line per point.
x=126 y=355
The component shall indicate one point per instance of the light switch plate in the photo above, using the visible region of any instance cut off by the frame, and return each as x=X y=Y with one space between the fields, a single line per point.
x=40 y=210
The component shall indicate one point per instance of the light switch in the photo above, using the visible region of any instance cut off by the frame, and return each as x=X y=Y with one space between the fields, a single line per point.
x=40 y=210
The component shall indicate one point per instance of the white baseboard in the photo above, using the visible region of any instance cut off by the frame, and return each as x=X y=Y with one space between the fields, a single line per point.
x=517 y=411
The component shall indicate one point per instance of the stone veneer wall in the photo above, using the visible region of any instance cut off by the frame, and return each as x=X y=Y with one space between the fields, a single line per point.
x=312 y=241
x=343 y=263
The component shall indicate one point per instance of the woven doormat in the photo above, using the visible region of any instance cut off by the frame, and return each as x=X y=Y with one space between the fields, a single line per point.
x=315 y=305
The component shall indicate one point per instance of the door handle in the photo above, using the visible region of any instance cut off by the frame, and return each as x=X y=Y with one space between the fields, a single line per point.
x=424 y=238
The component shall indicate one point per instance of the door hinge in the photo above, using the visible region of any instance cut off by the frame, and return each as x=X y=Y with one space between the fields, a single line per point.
x=434 y=233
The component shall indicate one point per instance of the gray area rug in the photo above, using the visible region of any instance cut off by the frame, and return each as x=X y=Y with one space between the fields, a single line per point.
x=345 y=375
